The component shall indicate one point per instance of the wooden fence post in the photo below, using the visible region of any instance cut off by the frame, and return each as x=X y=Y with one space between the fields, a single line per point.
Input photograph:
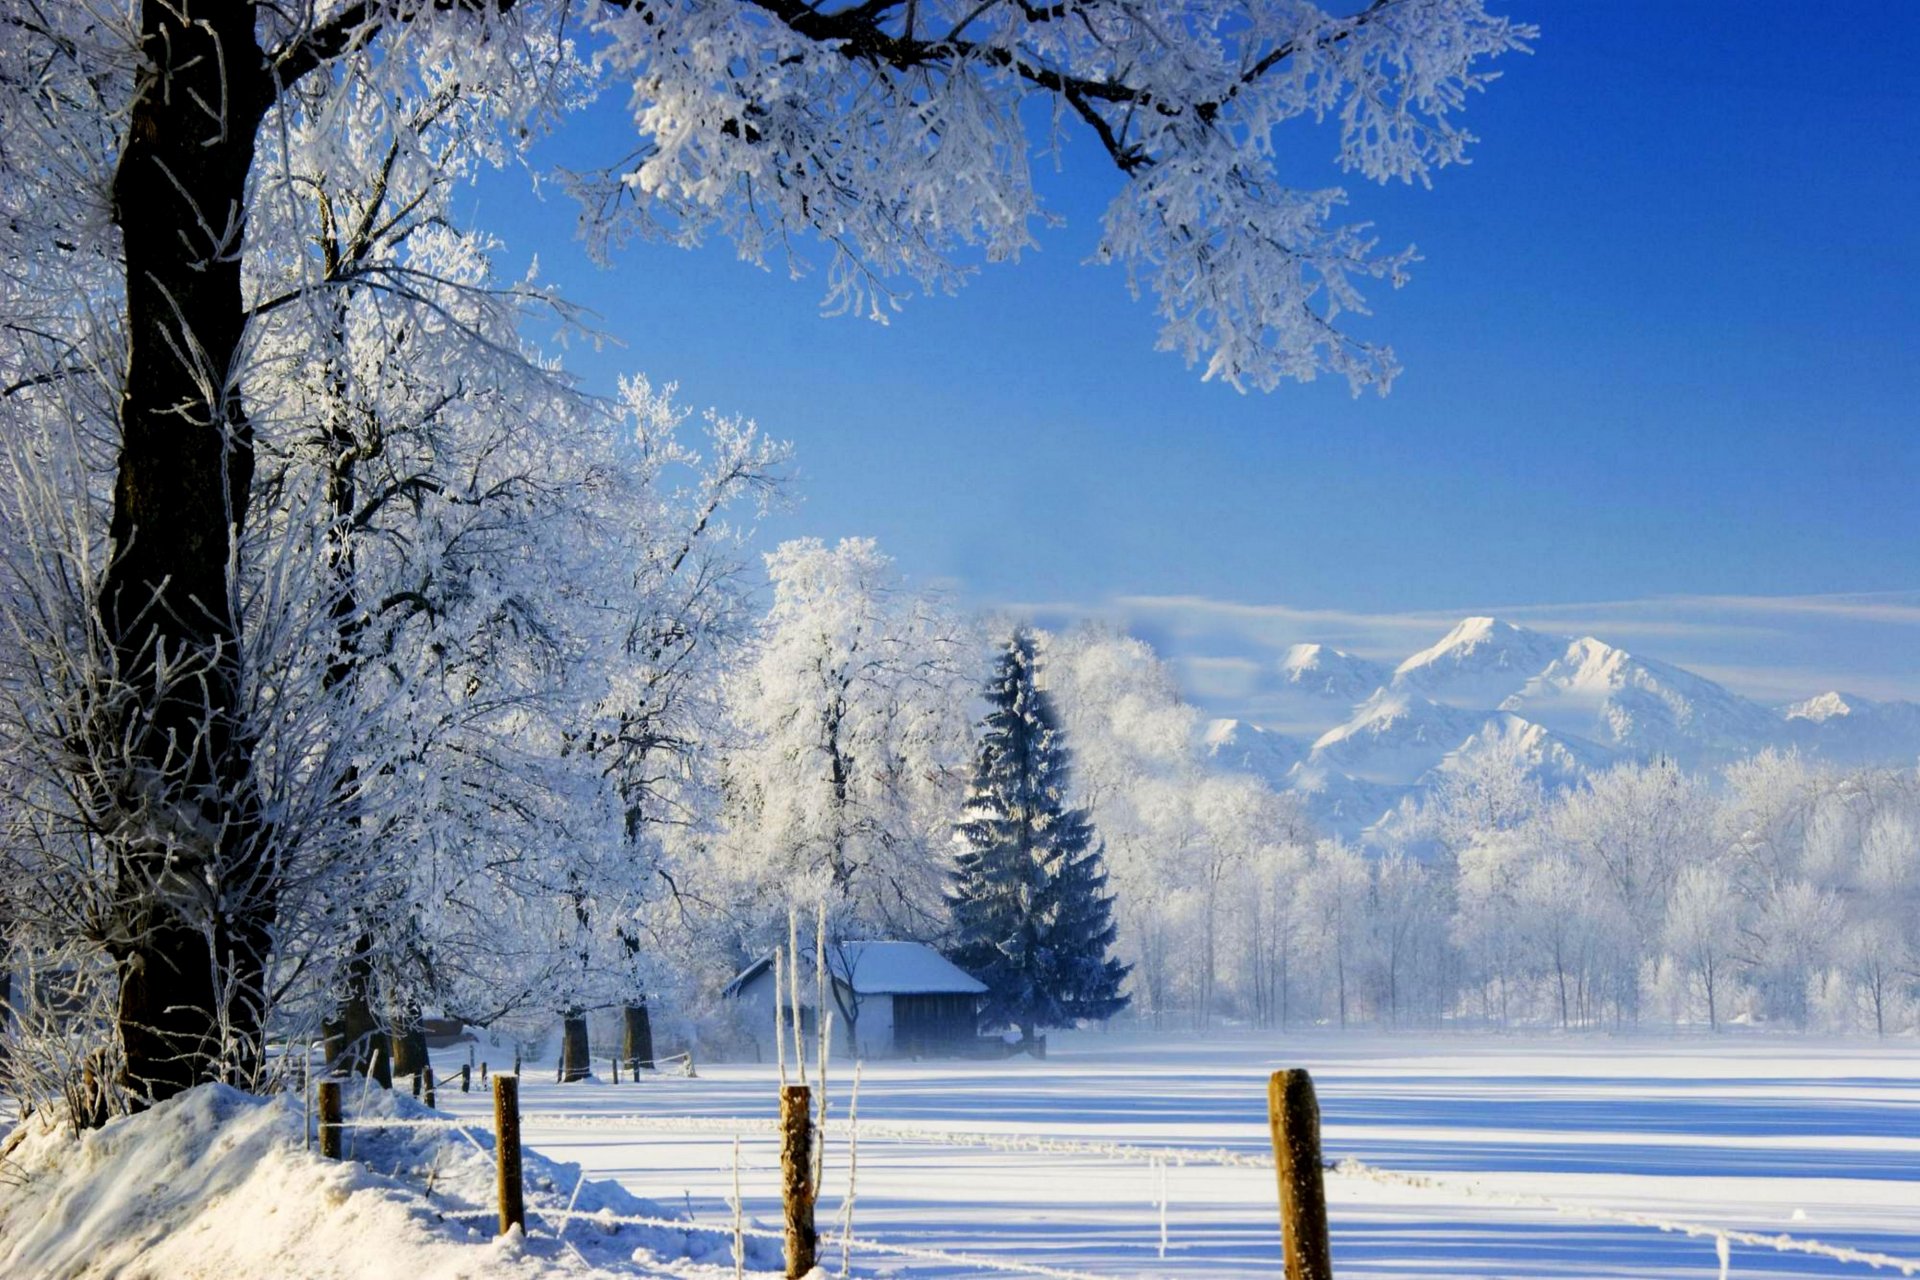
x=506 y=1145
x=329 y=1091
x=796 y=1177
x=428 y=1072
x=1294 y=1116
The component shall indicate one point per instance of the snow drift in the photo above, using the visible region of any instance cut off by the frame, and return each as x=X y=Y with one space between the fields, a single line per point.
x=218 y=1183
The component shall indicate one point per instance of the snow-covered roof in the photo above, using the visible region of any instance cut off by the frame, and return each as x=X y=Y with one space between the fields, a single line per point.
x=879 y=969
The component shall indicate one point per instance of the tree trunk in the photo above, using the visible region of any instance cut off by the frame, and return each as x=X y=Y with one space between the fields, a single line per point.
x=355 y=1040
x=173 y=786
x=1713 y=1005
x=636 y=1039
x=575 y=1064
x=409 y=1045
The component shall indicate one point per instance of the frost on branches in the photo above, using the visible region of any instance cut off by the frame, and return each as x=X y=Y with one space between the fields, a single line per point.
x=335 y=614
x=902 y=134
x=1030 y=916
x=850 y=740
x=428 y=738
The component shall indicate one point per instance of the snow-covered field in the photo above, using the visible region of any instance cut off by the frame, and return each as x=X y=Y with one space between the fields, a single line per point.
x=1476 y=1157
x=1818 y=1140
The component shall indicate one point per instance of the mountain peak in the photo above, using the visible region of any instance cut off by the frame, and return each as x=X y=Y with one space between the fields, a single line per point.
x=1591 y=659
x=1250 y=748
x=1561 y=706
x=1326 y=671
x=1478 y=663
x=1468 y=636
x=1832 y=705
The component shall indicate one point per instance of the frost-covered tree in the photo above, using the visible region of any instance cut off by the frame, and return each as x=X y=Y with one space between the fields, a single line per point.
x=1566 y=936
x=1193 y=847
x=1237 y=815
x=1135 y=767
x=1629 y=833
x=1031 y=916
x=1272 y=931
x=1333 y=909
x=1703 y=932
x=1882 y=953
x=1486 y=897
x=850 y=736
x=1406 y=918
x=143 y=137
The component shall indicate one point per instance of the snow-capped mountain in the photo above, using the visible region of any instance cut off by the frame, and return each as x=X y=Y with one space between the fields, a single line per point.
x=1478 y=664
x=1340 y=804
x=1643 y=708
x=1849 y=729
x=1315 y=687
x=1394 y=738
x=1323 y=671
x=1248 y=748
x=1555 y=761
x=1354 y=737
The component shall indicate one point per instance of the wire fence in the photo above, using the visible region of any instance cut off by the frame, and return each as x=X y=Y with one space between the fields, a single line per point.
x=863 y=1244
x=866 y=1131
x=600 y=1217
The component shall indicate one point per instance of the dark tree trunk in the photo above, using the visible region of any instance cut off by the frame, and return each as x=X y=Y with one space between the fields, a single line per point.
x=636 y=1039
x=355 y=1039
x=409 y=1045
x=575 y=1064
x=175 y=796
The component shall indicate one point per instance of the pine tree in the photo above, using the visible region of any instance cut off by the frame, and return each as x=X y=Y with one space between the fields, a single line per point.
x=1030 y=913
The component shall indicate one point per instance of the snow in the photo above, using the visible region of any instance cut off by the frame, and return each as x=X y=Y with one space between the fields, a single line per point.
x=1607 y=695
x=873 y=968
x=1847 y=728
x=1552 y=759
x=1331 y=672
x=1825 y=706
x=1577 y=706
x=1487 y=1157
x=1248 y=748
x=1316 y=686
x=1024 y=1160
x=1478 y=663
x=218 y=1183
x=1394 y=738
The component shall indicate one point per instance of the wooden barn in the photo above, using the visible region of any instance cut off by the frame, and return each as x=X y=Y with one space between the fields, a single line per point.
x=890 y=999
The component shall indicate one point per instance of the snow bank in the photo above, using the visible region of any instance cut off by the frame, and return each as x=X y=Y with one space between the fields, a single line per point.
x=218 y=1183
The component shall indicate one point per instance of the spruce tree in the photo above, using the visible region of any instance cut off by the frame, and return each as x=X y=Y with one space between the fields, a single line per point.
x=1031 y=917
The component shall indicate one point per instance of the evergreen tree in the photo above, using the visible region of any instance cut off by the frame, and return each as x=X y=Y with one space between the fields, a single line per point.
x=1032 y=919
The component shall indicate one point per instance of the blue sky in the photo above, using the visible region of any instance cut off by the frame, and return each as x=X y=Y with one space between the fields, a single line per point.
x=1663 y=353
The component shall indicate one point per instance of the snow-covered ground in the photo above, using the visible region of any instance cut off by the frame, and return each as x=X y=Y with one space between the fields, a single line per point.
x=218 y=1185
x=1818 y=1140
x=1484 y=1157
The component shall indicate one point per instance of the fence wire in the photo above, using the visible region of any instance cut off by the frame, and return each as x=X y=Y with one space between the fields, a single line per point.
x=1219 y=1157
x=1722 y=1236
x=860 y=1243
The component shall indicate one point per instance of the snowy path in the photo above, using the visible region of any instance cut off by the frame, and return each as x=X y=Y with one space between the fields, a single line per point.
x=1768 y=1135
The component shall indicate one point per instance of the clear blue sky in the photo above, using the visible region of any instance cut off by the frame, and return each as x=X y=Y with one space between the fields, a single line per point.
x=1665 y=342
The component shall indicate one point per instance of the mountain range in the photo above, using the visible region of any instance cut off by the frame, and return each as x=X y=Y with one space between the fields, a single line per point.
x=1361 y=736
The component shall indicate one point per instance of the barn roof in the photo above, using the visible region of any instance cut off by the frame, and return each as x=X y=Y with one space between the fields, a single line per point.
x=879 y=968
